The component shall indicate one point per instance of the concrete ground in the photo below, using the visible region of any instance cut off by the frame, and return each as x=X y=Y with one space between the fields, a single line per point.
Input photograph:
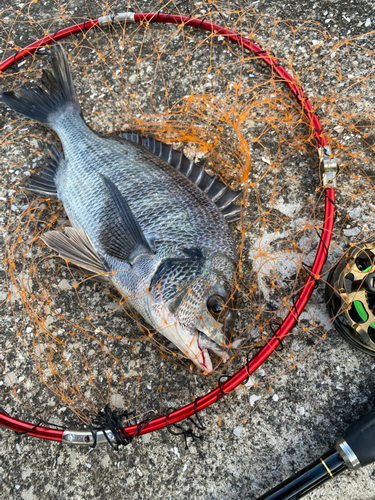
x=313 y=405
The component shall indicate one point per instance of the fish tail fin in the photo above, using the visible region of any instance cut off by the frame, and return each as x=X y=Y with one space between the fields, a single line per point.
x=58 y=93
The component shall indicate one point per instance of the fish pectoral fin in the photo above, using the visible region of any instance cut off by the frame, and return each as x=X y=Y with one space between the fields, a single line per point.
x=124 y=241
x=42 y=182
x=76 y=247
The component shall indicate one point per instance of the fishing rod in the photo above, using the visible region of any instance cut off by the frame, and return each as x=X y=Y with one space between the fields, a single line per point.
x=354 y=450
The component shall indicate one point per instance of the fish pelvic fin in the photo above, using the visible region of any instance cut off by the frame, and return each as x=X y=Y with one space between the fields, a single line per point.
x=91 y=275
x=58 y=92
x=124 y=241
x=75 y=246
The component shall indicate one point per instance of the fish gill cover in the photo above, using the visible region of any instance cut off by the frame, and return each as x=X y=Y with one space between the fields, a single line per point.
x=69 y=346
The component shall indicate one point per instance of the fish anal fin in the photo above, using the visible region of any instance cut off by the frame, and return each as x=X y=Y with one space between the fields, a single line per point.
x=42 y=182
x=76 y=247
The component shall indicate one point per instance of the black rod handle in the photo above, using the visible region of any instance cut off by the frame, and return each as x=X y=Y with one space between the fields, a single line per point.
x=309 y=478
x=358 y=444
x=355 y=449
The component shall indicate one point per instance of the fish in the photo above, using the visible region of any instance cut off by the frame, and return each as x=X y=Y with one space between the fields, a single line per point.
x=142 y=216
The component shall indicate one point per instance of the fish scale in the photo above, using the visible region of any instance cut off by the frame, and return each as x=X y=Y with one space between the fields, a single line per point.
x=142 y=221
x=168 y=206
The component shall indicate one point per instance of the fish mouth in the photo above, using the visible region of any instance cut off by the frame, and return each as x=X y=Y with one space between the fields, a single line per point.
x=205 y=343
x=205 y=360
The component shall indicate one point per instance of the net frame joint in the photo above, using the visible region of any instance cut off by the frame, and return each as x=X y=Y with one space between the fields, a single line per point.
x=120 y=17
x=87 y=438
x=328 y=166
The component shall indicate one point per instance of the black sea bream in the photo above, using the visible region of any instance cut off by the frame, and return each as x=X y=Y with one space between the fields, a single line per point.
x=163 y=242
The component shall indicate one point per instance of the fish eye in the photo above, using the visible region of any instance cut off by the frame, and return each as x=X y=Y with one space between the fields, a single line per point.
x=215 y=305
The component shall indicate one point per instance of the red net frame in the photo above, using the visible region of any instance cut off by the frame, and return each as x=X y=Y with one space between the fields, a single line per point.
x=320 y=257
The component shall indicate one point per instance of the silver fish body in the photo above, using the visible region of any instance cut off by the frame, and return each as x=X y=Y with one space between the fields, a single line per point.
x=177 y=266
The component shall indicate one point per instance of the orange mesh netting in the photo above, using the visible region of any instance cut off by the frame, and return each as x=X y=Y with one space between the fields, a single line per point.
x=69 y=345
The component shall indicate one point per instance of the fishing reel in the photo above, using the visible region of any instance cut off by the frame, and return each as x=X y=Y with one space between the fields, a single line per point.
x=350 y=297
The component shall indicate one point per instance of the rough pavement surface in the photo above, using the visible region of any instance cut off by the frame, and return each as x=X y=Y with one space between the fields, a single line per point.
x=315 y=404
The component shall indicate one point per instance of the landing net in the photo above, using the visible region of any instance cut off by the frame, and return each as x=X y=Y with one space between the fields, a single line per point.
x=70 y=346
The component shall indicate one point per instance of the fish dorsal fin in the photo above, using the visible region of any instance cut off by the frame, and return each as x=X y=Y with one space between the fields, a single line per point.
x=76 y=247
x=125 y=240
x=216 y=190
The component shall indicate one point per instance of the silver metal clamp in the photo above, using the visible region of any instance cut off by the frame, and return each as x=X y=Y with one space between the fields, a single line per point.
x=121 y=16
x=86 y=437
x=328 y=166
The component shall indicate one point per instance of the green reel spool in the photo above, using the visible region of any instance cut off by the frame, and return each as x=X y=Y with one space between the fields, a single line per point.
x=350 y=297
